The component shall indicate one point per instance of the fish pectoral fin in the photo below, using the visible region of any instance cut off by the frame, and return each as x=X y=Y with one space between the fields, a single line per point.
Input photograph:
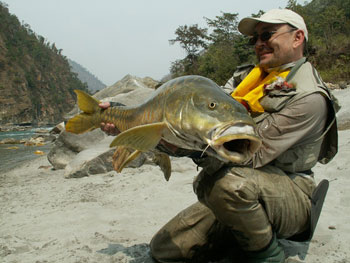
x=142 y=138
x=163 y=161
x=122 y=157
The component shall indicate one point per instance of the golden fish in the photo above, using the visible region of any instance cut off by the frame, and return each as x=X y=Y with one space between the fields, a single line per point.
x=191 y=113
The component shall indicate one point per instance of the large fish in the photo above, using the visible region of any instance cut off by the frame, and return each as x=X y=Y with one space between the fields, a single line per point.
x=191 y=113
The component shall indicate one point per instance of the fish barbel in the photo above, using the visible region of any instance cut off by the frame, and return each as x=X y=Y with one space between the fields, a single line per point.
x=190 y=112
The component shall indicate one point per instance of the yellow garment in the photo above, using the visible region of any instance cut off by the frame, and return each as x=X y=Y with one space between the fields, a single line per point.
x=251 y=89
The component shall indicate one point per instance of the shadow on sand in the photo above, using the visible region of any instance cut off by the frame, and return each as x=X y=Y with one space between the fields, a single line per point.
x=138 y=253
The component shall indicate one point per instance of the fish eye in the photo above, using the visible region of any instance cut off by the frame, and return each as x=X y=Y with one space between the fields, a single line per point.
x=212 y=105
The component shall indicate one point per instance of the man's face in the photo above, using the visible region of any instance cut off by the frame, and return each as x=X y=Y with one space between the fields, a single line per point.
x=278 y=50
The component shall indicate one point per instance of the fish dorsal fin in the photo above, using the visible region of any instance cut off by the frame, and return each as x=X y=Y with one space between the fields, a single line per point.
x=142 y=138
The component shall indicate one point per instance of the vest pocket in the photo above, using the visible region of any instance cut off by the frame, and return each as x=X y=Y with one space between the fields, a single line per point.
x=274 y=103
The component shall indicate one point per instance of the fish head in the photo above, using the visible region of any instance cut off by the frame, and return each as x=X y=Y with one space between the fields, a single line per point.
x=207 y=118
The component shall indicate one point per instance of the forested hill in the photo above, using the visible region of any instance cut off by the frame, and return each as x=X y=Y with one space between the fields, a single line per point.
x=93 y=83
x=36 y=84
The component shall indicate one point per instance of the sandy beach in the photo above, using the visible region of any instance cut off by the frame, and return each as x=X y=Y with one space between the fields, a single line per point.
x=112 y=217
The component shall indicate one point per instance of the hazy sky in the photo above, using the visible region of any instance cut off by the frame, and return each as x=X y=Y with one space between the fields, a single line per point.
x=112 y=38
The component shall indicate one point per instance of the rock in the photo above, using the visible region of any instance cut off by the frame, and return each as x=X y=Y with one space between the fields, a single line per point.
x=343 y=117
x=57 y=129
x=45 y=137
x=10 y=141
x=151 y=83
x=340 y=85
x=332 y=86
x=37 y=152
x=41 y=131
x=95 y=160
x=343 y=85
x=37 y=140
x=134 y=97
x=126 y=85
x=68 y=145
x=12 y=148
x=60 y=155
x=79 y=142
x=101 y=163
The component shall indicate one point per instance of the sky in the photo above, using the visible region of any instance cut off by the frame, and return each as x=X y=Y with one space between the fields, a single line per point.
x=113 y=38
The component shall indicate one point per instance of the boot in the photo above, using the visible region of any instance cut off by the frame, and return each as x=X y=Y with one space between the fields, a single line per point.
x=273 y=253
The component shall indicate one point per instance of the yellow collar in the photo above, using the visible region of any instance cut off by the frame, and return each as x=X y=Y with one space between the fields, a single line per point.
x=251 y=89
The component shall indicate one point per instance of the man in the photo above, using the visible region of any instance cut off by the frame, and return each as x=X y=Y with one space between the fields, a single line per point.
x=242 y=210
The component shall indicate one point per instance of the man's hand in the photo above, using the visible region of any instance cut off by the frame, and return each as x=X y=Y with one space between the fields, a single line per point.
x=108 y=128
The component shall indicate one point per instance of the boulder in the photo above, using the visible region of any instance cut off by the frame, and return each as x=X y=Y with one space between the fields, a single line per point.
x=343 y=116
x=68 y=145
x=133 y=97
x=126 y=85
x=94 y=160
x=35 y=141
x=97 y=160
x=57 y=129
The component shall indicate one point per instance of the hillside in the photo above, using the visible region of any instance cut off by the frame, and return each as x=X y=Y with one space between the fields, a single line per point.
x=93 y=83
x=36 y=84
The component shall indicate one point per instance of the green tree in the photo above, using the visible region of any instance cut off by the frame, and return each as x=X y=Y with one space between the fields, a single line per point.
x=223 y=51
x=191 y=38
x=328 y=48
x=224 y=28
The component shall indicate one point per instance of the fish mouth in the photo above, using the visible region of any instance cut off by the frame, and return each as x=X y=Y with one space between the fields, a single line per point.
x=235 y=142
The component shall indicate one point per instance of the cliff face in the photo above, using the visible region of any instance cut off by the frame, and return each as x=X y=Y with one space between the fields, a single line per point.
x=36 y=84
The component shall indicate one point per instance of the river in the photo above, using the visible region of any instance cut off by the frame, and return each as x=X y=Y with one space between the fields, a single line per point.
x=11 y=155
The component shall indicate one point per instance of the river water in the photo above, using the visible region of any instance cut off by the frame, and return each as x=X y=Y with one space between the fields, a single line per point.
x=11 y=155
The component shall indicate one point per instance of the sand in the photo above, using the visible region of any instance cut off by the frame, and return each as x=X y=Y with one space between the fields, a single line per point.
x=112 y=217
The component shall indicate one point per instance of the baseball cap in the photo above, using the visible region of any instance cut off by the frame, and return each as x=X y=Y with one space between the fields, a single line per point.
x=274 y=16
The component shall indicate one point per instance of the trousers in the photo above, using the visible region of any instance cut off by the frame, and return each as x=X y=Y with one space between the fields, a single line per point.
x=239 y=208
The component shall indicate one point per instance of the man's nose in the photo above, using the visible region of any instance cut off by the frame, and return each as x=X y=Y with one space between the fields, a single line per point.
x=259 y=44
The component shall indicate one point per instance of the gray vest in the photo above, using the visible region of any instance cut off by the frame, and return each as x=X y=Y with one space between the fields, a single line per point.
x=307 y=81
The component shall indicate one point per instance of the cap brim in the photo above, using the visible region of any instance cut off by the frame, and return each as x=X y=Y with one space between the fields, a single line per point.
x=247 y=25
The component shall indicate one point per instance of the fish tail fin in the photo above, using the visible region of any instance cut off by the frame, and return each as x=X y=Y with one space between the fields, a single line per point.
x=89 y=119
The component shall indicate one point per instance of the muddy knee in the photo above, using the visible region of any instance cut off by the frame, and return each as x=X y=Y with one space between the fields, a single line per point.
x=232 y=191
x=182 y=236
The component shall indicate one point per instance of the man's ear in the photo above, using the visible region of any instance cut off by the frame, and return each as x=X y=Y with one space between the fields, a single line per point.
x=299 y=37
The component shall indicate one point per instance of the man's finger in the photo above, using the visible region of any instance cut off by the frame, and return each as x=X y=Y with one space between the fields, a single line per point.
x=104 y=105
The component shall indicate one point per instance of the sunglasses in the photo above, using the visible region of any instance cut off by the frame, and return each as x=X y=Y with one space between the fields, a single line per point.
x=265 y=36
